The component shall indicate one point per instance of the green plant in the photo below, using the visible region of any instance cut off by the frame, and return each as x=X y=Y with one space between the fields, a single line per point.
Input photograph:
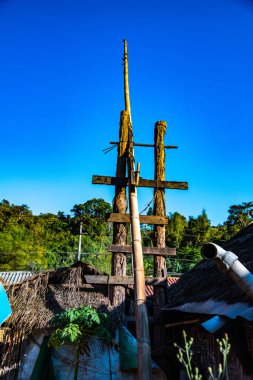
x=185 y=357
x=185 y=354
x=75 y=326
x=224 y=347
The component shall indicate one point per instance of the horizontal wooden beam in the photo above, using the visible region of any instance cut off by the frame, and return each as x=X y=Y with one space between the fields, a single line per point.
x=147 y=145
x=144 y=219
x=114 y=248
x=181 y=323
x=123 y=280
x=117 y=181
x=132 y=319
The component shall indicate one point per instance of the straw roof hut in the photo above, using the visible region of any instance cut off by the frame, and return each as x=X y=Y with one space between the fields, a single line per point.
x=204 y=292
x=34 y=301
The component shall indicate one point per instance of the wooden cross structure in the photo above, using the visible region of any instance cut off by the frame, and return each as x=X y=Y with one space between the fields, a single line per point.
x=129 y=177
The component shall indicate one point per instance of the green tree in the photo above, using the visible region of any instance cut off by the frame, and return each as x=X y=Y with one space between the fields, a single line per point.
x=35 y=242
x=93 y=216
x=175 y=229
x=17 y=243
x=239 y=216
x=198 y=231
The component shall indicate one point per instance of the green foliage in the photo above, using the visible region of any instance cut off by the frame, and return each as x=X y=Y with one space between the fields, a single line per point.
x=92 y=214
x=239 y=216
x=189 y=251
x=224 y=347
x=185 y=355
x=30 y=242
x=17 y=242
x=175 y=229
x=198 y=230
x=185 y=358
x=75 y=326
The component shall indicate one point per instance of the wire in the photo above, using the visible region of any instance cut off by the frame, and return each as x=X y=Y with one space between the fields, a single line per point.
x=148 y=204
x=87 y=253
x=107 y=150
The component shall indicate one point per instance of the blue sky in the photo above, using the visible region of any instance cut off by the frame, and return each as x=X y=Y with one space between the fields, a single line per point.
x=61 y=93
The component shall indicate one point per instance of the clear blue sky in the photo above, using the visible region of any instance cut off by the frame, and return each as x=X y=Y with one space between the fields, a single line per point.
x=61 y=93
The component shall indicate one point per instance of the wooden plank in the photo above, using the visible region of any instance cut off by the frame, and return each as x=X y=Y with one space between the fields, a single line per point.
x=123 y=280
x=146 y=250
x=106 y=180
x=181 y=323
x=144 y=219
x=147 y=145
x=132 y=319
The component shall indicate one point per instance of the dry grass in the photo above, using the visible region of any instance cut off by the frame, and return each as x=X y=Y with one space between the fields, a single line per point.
x=35 y=301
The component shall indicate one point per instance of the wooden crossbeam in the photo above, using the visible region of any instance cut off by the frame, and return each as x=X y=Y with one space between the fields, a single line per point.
x=117 y=181
x=132 y=319
x=116 y=280
x=181 y=323
x=144 y=219
x=147 y=145
x=123 y=280
x=114 y=248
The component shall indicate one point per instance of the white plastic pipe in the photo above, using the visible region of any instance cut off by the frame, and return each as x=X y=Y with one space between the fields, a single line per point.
x=228 y=263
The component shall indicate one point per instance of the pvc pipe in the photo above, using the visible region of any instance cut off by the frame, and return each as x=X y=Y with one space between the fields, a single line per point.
x=228 y=263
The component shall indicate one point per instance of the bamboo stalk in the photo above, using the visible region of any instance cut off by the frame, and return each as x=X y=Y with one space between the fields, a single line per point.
x=142 y=326
x=126 y=81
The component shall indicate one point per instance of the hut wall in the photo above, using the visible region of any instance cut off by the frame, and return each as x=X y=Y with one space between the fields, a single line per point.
x=205 y=351
x=10 y=348
x=103 y=362
x=30 y=352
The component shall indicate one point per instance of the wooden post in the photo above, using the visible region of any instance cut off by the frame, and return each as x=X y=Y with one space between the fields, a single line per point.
x=160 y=269
x=142 y=326
x=80 y=242
x=120 y=206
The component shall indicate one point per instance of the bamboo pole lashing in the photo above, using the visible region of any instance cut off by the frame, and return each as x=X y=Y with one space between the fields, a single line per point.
x=142 y=326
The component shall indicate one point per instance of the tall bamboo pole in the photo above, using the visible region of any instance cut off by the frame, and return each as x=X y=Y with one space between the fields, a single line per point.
x=120 y=206
x=160 y=269
x=142 y=327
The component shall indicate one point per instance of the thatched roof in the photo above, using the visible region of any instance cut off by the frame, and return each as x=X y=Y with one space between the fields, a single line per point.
x=205 y=282
x=35 y=300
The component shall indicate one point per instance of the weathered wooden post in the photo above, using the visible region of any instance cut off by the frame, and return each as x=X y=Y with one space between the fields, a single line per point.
x=142 y=326
x=120 y=206
x=160 y=269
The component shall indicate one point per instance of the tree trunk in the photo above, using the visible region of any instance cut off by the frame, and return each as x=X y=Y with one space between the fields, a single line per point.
x=120 y=206
x=160 y=269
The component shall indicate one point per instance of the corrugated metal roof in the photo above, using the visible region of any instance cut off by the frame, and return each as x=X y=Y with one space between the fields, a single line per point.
x=212 y=307
x=172 y=280
x=15 y=277
x=150 y=288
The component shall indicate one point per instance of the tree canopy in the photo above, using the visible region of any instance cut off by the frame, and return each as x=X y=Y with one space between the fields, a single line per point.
x=35 y=242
